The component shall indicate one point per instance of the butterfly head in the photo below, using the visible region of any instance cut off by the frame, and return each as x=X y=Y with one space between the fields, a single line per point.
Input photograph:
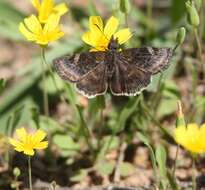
x=113 y=44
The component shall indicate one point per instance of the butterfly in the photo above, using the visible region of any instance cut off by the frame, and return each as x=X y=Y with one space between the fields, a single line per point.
x=123 y=72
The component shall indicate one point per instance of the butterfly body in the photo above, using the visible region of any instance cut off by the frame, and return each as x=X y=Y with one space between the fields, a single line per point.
x=125 y=72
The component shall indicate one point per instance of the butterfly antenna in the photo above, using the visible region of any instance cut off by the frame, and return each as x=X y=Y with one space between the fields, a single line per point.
x=101 y=31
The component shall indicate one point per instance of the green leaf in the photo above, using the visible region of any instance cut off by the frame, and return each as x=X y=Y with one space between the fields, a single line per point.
x=105 y=168
x=79 y=176
x=10 y=18
x=108 y=143
x=161 y=158
x=92 y=8
x=177 y=10
x=65 y=142
x=167 y=107
x=2 y=85
x=145 y=140
x=126 y=112
x=126 y=169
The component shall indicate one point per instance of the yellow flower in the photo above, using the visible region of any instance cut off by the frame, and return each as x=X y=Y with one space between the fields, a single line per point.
x=26 y=143
x=191 y=137
x=99 y=36
x=46 y=8
x=32 y=29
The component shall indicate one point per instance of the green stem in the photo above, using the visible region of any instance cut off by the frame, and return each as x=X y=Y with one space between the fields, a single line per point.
x=45 y=95
x=197 y=37
x=29 y=173
x=149 y=16
x=53 y=79
x=126 y=20
x=194 y=173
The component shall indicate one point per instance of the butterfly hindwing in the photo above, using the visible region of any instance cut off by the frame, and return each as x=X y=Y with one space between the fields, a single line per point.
x=150 y=59
x=76 y=67
x=95 y=82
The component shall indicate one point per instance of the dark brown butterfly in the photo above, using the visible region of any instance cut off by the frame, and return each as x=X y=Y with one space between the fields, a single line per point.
x=125 y=73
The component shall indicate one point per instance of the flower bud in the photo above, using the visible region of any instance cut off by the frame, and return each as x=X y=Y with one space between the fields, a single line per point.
x=125 y=6
x=192 y=14
x=180 y=121
x=16 y=172
x=181 y=34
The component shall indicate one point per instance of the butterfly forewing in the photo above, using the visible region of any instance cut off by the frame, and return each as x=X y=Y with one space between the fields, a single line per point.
x=76 y=67
x=150 y=59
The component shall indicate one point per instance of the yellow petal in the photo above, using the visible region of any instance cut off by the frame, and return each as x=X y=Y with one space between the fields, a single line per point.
x=45 y=10
x=36 y=4
x=41 y=145
x=61 y=9
x=39 y=136
x=179 y=134
x=55 y=36
x=29 y=36
x=86 y=37
x=14 y=142
x=28 y=151
x=96 y=24
x=111 y=27
x=19 y=149
x=123 y=35
x=52 y=23
x=21 y=132
x=33 y=24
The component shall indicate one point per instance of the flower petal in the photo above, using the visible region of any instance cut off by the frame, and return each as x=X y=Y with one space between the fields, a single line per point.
x=123 y=35
x=39 y=136
x=111 y=27
x=45 y=10
x=55 y=36
x=86 y=37
x=29 y=36
x=61 y=9
x=28 y=151
x=22 y=134
x=41 y=145
x=14 y=142
x=96 y=24
x=33 y=24
x=36 y=4
x=52 y=23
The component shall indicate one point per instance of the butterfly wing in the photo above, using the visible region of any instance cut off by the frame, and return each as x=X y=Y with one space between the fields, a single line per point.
x=134 y=67
x=86 y=70
x=76 y=67
x=150 y=59
x=94 y=83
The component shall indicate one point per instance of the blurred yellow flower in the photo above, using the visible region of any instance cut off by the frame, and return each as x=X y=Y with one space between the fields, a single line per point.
x=191 y=137
x=32 y=29
x=46 y=8
x=26 y=143
x=99 y=36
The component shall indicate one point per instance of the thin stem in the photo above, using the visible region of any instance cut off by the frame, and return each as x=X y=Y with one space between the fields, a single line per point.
x=126 y=20
x=149 y=15
x=53 y=79
x=198 y=43
x=45 y=95
x=175 y=162
x=29 y=173
x=194 y=173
